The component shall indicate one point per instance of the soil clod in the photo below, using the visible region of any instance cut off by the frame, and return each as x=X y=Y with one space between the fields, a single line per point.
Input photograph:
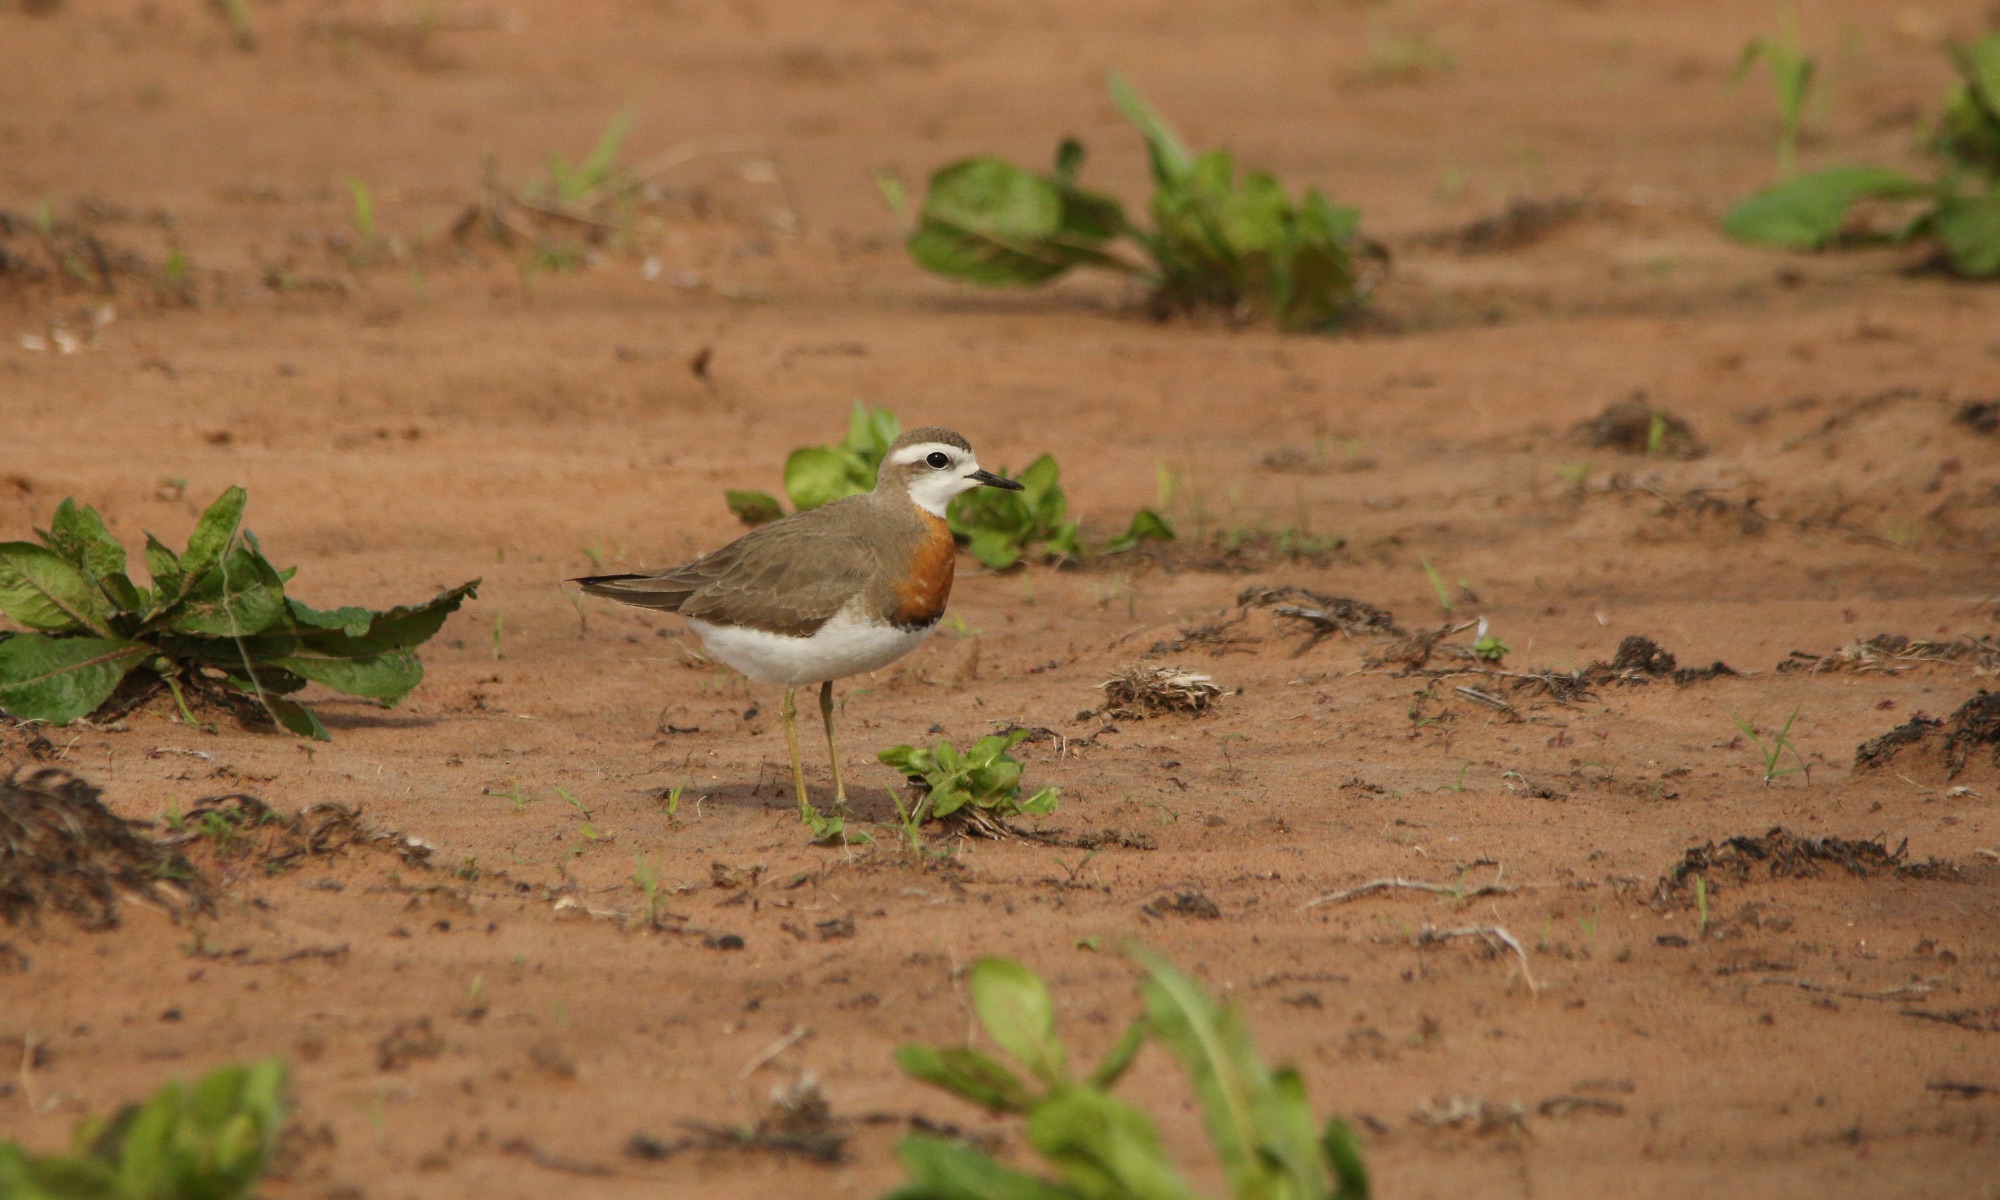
x=1634 y=426
x=62 y=850
x=1980 y=416
x=1782 y=854
x=1184 y=904
x=1967 y=735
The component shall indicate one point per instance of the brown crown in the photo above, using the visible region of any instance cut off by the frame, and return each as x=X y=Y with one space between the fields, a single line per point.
x=930 y=433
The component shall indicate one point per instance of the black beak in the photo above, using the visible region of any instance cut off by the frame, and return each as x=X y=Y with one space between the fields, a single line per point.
x=991 y=480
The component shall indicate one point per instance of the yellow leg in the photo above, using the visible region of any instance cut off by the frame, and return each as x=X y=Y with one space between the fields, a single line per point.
x=789 y=711
x=832 y=749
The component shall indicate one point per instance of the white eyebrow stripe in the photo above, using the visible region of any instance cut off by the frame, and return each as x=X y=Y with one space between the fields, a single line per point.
x=923 y=450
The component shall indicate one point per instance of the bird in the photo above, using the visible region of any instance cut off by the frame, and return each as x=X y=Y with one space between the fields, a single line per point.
x=839 y=590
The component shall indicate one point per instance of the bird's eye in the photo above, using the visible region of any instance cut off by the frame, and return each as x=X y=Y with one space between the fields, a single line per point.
x=938 y=460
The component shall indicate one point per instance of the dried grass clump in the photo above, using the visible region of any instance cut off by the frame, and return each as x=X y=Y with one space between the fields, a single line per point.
x=1781 y=854
x=1141 y=691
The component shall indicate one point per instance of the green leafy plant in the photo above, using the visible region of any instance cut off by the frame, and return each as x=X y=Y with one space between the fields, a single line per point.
x=215 y=618
x=816 y=475
x=1792 y=71
x=1959 y=208
x=1101 y=1147
x=984 y=779
x=211 y=1141
x=1216 y=242
x=1774 y=752
x=998 y=527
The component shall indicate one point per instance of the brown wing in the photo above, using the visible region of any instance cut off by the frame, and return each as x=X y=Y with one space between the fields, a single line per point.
x=787 y=577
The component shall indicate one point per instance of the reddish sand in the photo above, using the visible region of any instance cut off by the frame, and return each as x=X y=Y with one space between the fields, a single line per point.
x=411 y=422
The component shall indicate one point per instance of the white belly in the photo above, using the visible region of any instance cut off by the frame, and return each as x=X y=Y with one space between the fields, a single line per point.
x=843 y=646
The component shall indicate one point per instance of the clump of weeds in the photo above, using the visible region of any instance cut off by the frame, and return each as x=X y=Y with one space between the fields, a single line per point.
x=977 y=789
x=1242 y=248
x=1958 y=209
x=1258 y=1120
x=216 y=620
x=213 y=1140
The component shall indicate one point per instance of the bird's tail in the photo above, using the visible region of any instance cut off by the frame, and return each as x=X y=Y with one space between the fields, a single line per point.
x=646 y=591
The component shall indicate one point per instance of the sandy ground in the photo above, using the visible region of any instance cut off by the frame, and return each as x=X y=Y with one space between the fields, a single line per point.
x=412 y=412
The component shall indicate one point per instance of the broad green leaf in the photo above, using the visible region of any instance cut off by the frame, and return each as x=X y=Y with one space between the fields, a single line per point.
x=296 y=717
x=239 y=596
x=384 y=677
x=987 y=221
x=79 y=535
x=1015 y=1007
x=1104 y=1148
x=994 y=548
x=1164 y=147
x=1239 y=1097
x=870 y=432
x=965 y=1073
x=404 y=627
x=1343 y=1161
x=817 y=475
x=907 y=759
x=59 y=679
x=350 y=621
x=125 y=597
x=1120 y=1057
x=42 y=590
x=28 y=1177
x=1969 y=227
x=753 y=508
x=1041 y=804
x=1807 y=212
x=214 y=533
x=1146 y=526
x=941 y=1169
x=165 y=568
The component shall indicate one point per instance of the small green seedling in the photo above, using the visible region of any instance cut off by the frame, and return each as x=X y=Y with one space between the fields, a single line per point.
x=984 y=779
x=671 y=803
x=1959 y=208
x=574 y=184
x=1437 y=585
x=1701 y=905
x=364 y=212
x=1792 y=71
x=1488 y=647
x=1101 y=1147
x=215 y=619
x=1215 y=243
x=584 y=816
x=211 y=1141
x=646 y=875
x=1780 y=744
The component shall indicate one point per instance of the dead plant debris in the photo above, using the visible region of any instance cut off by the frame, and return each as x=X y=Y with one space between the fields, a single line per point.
x=797 y=1122
x=1971 y=728
x=1634 y=426
x=1322 y=615
x=1472 y=1114
x=1184 y=904
x=1782 y=854
x=62 y=850
x=1893 y=653
x=241 y=826
x=1138 y=691
x=1521 y=224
